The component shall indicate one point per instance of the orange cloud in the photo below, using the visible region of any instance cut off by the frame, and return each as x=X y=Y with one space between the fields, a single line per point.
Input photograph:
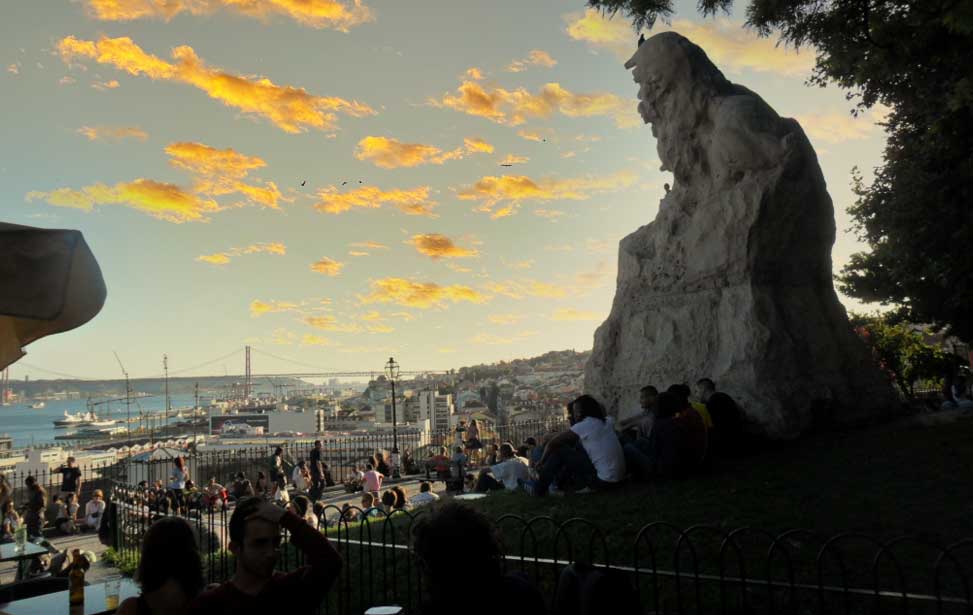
x=220 y=171
x=563 y=314
x=513 y=107
x=730 y=45
x=514 y=189
x=14 y=69
x=259 y=308
x=312 y=13
x=357 y=253
x=438 y=246
x=160 y=200
x=413 y=201
x=112 y=133
x=222 y=258
x=291 y=109
x=327 y=266
x=423 y=295
x=392 y=153
x=474 y=73
x=535 y=58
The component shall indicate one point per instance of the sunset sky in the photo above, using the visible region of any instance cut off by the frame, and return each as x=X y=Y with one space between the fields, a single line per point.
x=176 y=136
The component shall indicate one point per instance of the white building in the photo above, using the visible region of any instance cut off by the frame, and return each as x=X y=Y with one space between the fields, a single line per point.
x=438 y=409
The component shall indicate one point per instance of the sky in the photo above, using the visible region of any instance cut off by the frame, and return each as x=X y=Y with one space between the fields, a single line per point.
x=325 y=180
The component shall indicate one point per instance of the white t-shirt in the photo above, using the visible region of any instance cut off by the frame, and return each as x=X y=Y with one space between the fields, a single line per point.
x=421 y=498
x=509 y=471
x=93 y=512
x=601 y=443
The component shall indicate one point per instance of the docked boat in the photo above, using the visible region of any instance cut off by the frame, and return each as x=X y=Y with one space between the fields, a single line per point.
x=38 y=404
x=75 y=420
x=102 y=423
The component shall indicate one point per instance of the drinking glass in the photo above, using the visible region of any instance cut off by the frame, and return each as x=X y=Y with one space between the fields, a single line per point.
x=113 y=586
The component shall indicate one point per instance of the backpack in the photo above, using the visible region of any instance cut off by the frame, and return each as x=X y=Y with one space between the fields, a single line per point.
x=584 y=589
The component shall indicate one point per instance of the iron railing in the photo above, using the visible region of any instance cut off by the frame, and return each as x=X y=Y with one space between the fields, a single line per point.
x=700 y=569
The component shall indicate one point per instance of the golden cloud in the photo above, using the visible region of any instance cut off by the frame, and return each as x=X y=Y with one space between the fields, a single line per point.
x=550 y=214
x=103 y=86
x=514 y=159
x=312 y=13
x=291 y=109
x=474 y=73
x=392 y=154
x=490 y=339
x=357 y=253
x=160 y=200
x=530 y=135
x=730 y=45
x=535 y=58
x=515 y=189
x=330 y=323
x=413 y=201
x=222 y=258
x=315 y=340
x=438 y=246
x=13 y=69
x=369 y=245
x=505 y=319
x=423 y=295
x=221 y=171
x=518 y=289
x=113 y=133
x=259 y=308
x=838 y=127
x=327 y=266
x=513 y=107
x=573 y=314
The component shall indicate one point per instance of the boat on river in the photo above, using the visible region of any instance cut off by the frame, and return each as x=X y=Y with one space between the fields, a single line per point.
x=80 y=419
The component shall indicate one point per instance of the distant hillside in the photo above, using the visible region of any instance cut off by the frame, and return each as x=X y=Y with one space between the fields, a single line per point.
x=567 y=360
x=177 y=386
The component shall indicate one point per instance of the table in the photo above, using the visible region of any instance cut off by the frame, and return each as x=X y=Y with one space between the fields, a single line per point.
x=9 y=553
x=50 y=604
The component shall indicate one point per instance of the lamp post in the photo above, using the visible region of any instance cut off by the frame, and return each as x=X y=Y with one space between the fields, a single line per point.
x=392 y=372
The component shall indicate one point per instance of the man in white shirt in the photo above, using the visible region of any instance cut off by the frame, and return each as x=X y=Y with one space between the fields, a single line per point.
x=508 y=474
x=425 y=496
x=588 y=456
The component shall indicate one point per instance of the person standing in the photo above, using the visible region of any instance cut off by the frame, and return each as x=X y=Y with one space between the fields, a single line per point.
x=372 y=480
x=320 y=477
x=177 y=481
x=255 y=588
x=36 y=505
x=71 y=478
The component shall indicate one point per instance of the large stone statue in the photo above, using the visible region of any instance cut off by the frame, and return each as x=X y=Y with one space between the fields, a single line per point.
x=733 y=278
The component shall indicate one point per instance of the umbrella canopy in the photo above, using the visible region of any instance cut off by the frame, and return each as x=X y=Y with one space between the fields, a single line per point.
x=50 y=282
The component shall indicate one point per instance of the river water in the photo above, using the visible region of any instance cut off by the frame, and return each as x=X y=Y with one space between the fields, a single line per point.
x=28 y=425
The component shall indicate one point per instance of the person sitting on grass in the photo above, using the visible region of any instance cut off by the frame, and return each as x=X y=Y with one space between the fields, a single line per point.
x=388 y=501
x=727 y=433
x=170 y=571
x=425 y=496
x=66 y=515
x=508 y=474
x=437 y=536
x=683 y=391
x=401 y=502
x=587 y=456
x=368 y=506
x=660 y=454
x=640 y=425
x=255 y=537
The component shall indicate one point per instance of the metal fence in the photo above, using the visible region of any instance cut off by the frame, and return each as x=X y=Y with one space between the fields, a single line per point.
x=699 y=569
x=343 y=455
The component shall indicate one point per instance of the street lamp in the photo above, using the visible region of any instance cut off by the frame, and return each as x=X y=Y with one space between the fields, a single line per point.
x=392 y=372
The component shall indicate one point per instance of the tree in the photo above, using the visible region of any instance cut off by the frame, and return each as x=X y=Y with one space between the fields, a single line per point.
x=901 y=351
x=915 y=57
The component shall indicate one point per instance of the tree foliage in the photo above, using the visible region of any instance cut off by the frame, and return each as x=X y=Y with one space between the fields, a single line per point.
x=901 y=351
x=916 y=58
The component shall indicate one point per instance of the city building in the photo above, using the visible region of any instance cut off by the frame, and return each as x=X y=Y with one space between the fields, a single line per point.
x=438 y=409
